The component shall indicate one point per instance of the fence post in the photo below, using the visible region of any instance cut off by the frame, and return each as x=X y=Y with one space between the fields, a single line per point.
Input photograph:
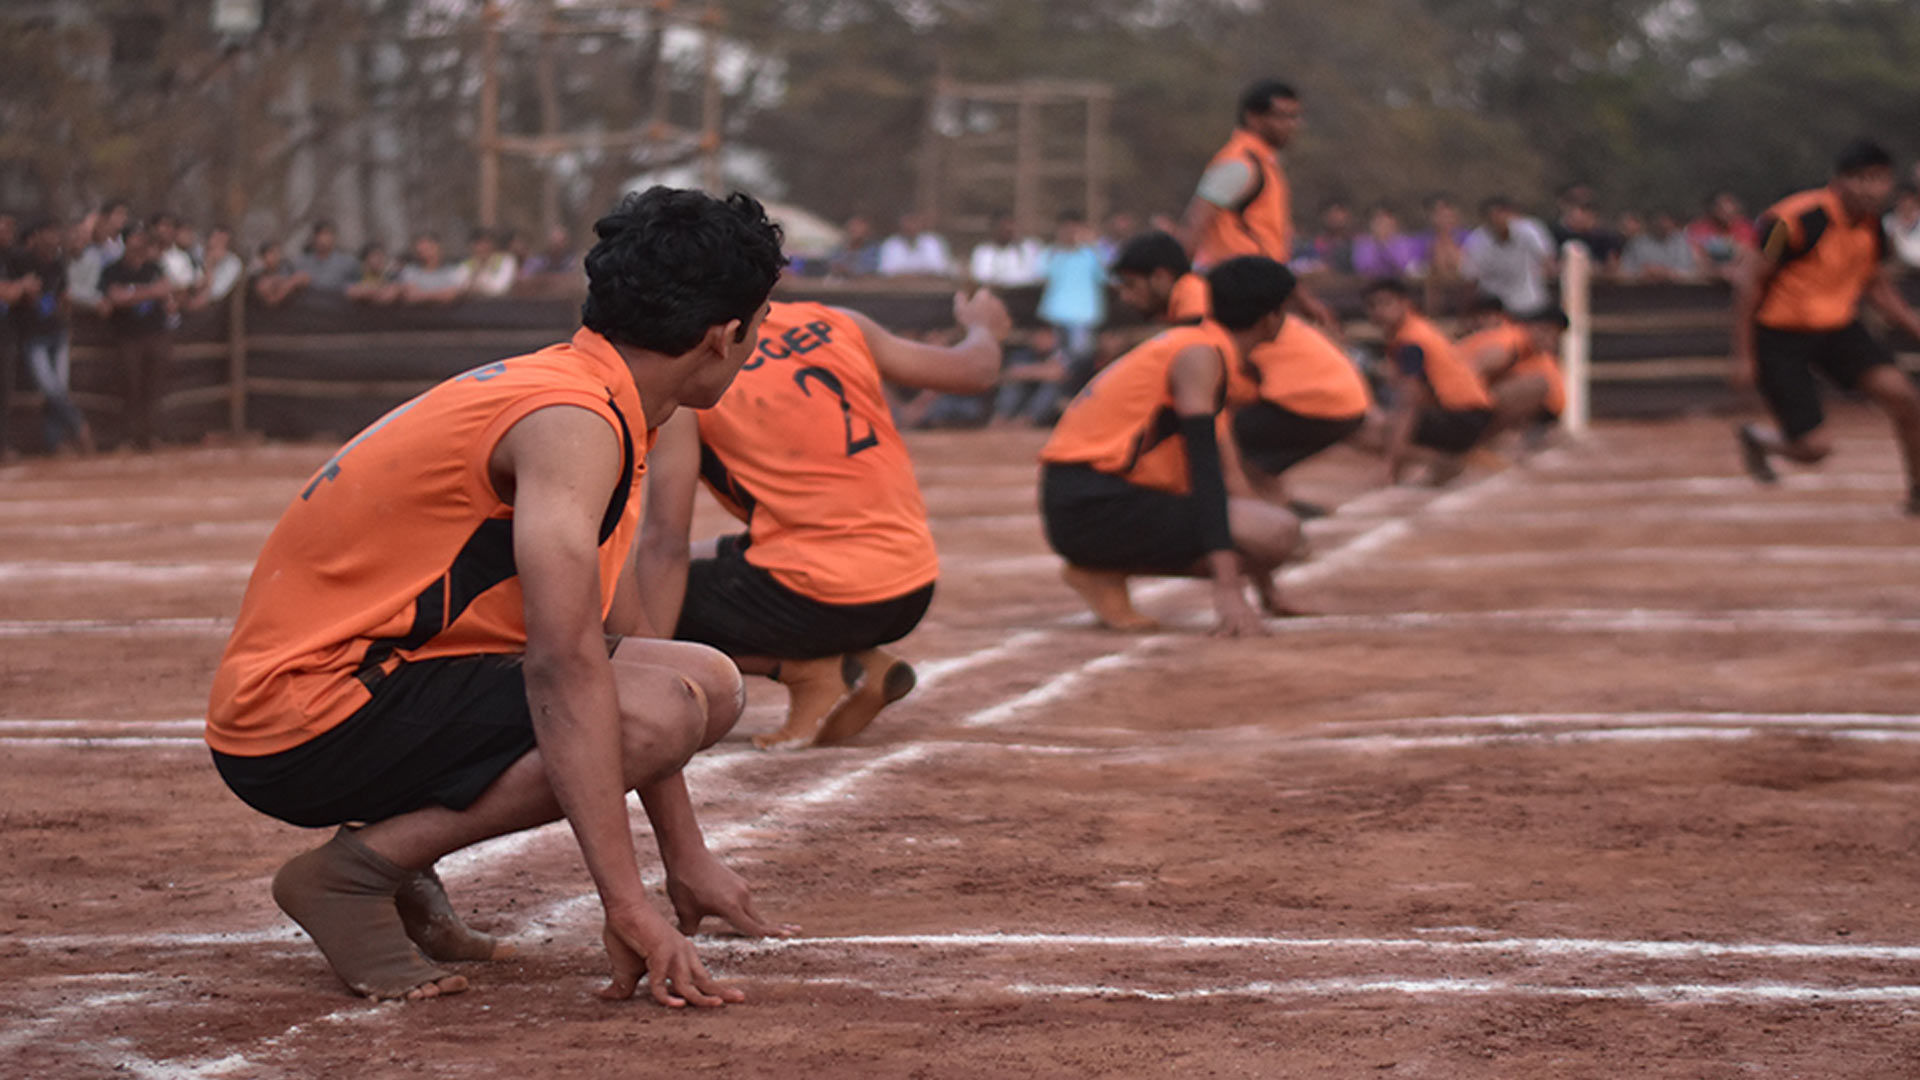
x=1576 y=348
x=237 y=359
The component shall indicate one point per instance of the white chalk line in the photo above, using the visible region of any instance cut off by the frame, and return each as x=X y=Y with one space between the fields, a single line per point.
x=1879 y=555
x=1626 y=719
x=251 y=528
x=122 y=571
x=1683 y=513
x=1708 y=486
x=1659 y=993
x=165 y=626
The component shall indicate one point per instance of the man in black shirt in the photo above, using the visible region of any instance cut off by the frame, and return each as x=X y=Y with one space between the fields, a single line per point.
x=139 y=299
x=40 y=320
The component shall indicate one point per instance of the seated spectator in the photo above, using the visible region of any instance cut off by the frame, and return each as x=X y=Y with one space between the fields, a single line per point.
x=429 y=278
x=222 y=269
x=1006 y=259
x=1510 y=256
x=1721 y=234
x=1903 y=226
x=1580 y=223
x=376 y=284
x=1331 y=249
x=141 y=303
x=514 y=243
x=915 y=251
x=1384 y=251
x=490 y=271
x=275 y=281
x=1661 y=253
x=328 y=269
x=176 y=262
x=557 y=259
x=1445 y=238
x=857 y=255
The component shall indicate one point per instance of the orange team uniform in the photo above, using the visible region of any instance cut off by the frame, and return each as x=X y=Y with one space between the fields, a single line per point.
x=1419 y=348
x=1124 y=423
x=1190 y=301
x=1518 y=358
x=1826 y=262
x=803 y=449
x=1302 y=372
x=1261 y=223
x=399 y=549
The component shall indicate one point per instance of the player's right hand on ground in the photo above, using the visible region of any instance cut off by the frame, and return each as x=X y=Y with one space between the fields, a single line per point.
x=641 y=943
x=1238 y=619
x=985 y=310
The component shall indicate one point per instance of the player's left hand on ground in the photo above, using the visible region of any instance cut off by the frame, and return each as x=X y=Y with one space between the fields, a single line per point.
x=708 y=887
x=1238 y=619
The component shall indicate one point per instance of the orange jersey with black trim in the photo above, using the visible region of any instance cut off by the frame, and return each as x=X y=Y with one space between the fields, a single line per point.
x=1419 y=348
x=1302 y=371
x=1125 y=424
x=1824 y=262
x=398 y=549
x=1190 y=301
x=1261 y=223
x=803 y=449
x=1518 y=358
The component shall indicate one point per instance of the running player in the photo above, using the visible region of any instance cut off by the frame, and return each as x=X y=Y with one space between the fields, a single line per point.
x=1441 y=404
x=1797 y=308
x=1293 y=396
x=837 y=559
x=1243 y=204
x=420 y=658
x=1132 y=482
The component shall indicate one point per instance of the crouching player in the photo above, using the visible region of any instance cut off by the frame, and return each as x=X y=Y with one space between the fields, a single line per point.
x=1133 y=482
x=1442 y=405
x=1519 y=359
x=420 y=658
x=1293 y=396
x=837 y=559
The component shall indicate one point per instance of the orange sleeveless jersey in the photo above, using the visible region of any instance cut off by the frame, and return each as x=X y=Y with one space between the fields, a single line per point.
x=803 y=449
x=398 y=549
x=1124 y=423
x=1190 y=300
x=1302 y=372
x=1262 y=224
x=1456 y=386
x=1825 y=260
x=1518 y=358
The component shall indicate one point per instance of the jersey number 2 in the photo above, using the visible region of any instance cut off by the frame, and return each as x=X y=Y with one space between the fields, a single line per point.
x=832 y=382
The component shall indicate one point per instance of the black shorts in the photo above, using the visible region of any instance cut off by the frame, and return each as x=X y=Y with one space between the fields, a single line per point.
x=742 y=610
x=1786 y=360
x=1273 y=438
x=1102 y=522
x=1451 y=431
x=436 y=733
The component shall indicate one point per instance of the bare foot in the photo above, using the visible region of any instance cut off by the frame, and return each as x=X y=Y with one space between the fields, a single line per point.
x=880 y=679
x=431 y=922
x=342 y=894
x=814 y=687
x=1105 y=591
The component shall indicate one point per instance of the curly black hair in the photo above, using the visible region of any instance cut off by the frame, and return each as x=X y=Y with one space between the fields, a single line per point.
x=1247 y=289
x=670 y=264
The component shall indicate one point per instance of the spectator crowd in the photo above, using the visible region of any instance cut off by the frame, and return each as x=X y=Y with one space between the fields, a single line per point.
x=141 y=276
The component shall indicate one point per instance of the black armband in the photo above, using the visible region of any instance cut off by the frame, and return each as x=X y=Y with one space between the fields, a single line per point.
x=1209 y=482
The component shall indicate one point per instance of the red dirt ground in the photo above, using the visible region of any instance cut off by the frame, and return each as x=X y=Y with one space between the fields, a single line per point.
x=1603 y=765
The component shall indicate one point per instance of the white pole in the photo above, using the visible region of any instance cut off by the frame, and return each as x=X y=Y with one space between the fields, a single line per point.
x=1576 y=348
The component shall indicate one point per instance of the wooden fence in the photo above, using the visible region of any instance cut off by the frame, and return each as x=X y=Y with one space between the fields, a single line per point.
x=322 y=367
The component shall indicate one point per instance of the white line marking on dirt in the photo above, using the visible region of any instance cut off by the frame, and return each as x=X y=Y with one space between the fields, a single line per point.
x=183 y=627
x=1541 y=739
x=252 y=527
x=1689 y=556
x=1684 y=513
x=1671 y=993
x=116 y=571
x=1625 y=719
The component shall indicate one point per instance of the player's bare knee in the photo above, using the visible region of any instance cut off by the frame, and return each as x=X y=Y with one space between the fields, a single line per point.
x=662 y=732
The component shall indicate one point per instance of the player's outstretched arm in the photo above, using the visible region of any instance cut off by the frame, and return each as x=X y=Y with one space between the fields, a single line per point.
x=1410 y=398
x=1883 y=297
x=971 y=366
x=1195 y=383
x=562 y=463
x=657 y=585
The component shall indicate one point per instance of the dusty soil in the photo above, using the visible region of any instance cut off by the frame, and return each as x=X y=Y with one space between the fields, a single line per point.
x=1602 y=765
